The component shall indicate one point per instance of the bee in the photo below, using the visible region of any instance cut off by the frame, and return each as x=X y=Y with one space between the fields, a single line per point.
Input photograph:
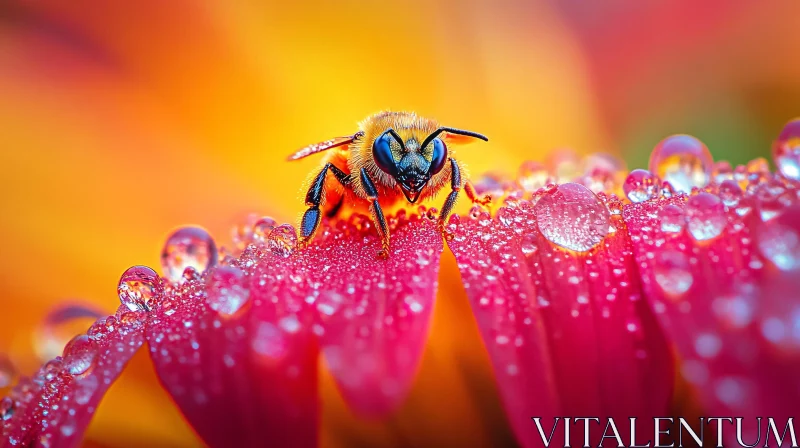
x=394 y=157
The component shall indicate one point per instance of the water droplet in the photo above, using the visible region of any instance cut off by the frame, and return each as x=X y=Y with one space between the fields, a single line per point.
x=573 y=217
x=138 y=287
x=683 y=161
x=79 y=355
x=779 y=244
x=7 y=408
x=707 y=345
x=242 y=234
x=262 y=228
x=528 y=246
x=672 y=273
x=672 y=219
x=564 y=165
x=269 y=341
x=226 y=292
x=723 y=171
x=532 y=176
x=641 y=185
x=187 y=247
x=786 y=150
x=328 y=303
x=705 y=216
x=7 y=371
x=60 y=325
x=730 y=193
x=283 y=240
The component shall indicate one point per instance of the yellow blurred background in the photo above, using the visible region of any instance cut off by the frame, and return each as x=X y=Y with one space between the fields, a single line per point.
x=123 y=120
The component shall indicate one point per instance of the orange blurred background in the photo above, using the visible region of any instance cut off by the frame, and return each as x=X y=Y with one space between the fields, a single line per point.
x=123 y=120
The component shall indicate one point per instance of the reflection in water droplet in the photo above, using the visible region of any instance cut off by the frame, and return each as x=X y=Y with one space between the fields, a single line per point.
x=532 y=176
x=187 y=247
x=283 y=240
x=60 y=325
x=786 y=151
x=672 y=273
x=226 y=292
x=705 y=216
x=672 y=219
x=79 y=355
x=683 y=161
x=641 y=185
x=571 y=216
x=528 y=246
x=7 y=371
x=262 y=228
x=138 y=287
x=7 y=408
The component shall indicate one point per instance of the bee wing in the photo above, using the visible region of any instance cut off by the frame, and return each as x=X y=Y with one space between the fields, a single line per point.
x=323 y=146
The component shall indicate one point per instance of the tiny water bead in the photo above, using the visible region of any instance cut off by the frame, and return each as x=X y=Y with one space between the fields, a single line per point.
x=138 y=287
x=786 y=150
x=187 y=247
x=60 y=325
x=705 y=216
x=79 y=355
x=573 y=217
x=641 y=185
x=683 y=161
x=282 y=240
x=780 y=244
x=262 y=228
x=226 y=292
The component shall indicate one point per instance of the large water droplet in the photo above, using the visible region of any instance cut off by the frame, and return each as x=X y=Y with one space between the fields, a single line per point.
x=705 y=216
x=572 y=217
x=283 y=240
x=672 y=273
x=7 y=371
x=683 y=161
x=60 y=325
x=138 y=287
x=641 y=185
x=79 y=355
x=226 y=290
x=262 y=228
x=786 y=151
x=187 y=247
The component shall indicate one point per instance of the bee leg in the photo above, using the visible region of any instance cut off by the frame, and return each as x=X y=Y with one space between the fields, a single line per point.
x=450 y=202
x=377 y=213
x=312 y=216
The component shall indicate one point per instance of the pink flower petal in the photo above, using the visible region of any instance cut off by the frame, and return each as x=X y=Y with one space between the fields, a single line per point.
x=568 y=333
x=238 y=362
x=55 y=407
x=725 y=286
x=375 y=313
x=372 y=315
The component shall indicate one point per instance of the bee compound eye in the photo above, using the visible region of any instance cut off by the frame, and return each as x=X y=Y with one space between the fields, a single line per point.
x=438 y=157
x=382 y=153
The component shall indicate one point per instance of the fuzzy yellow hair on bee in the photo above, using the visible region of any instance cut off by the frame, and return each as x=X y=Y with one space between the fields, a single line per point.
x=395 y=156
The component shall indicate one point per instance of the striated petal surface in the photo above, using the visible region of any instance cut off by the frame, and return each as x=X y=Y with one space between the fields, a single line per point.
x=720 y=269
x=374 y=314
x=55 y=406
x=555 y=291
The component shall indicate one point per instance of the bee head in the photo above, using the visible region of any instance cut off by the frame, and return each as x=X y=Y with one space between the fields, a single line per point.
x=410 y=164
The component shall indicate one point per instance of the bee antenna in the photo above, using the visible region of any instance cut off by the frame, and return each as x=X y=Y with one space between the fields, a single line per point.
x=463 y=132
x=436 y=133
x=397 y=137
